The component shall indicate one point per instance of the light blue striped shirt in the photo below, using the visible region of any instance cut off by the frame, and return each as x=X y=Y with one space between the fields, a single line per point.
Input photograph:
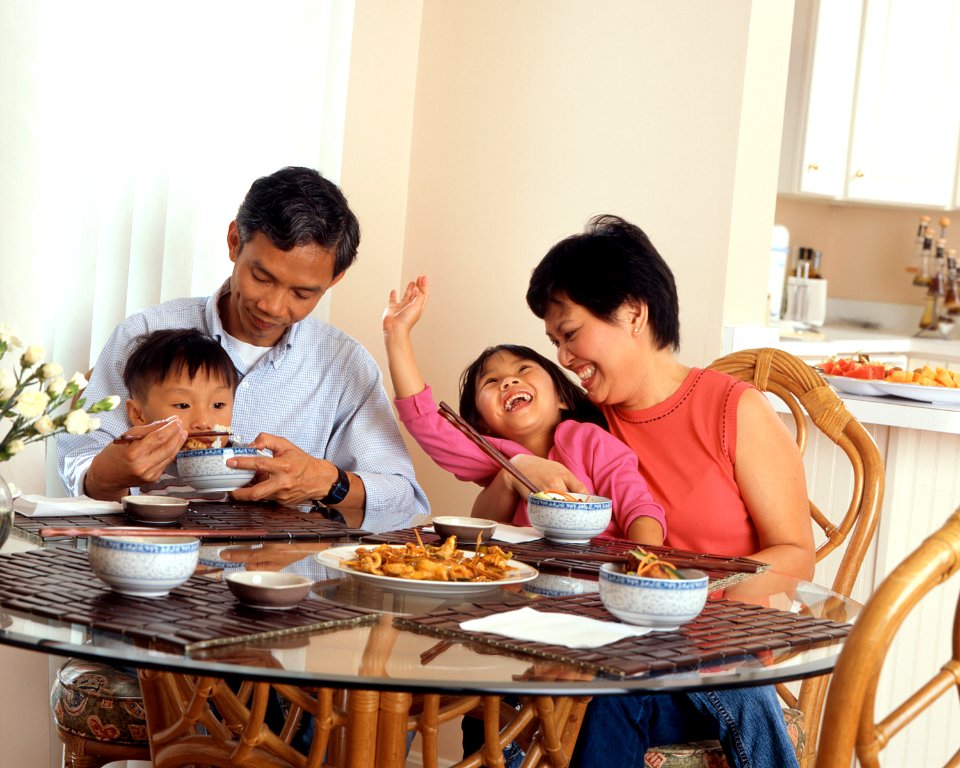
x=317 y=387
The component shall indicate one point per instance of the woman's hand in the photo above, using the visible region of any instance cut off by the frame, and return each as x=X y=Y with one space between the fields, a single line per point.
x=545 y=474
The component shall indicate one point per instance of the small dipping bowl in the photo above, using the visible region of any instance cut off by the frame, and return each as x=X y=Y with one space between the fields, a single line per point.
x=569 y=522
x=143 y=566
x=154 y=510
x=466 y=529
x=652 y=602
x=207 y=470
x=268 y=590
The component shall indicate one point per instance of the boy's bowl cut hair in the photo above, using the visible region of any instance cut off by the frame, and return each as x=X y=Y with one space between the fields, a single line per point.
x=579 y=406
x=160 y=354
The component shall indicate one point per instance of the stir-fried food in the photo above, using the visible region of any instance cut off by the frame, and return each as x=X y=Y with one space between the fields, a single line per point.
x=428 y=562
x=643 y=563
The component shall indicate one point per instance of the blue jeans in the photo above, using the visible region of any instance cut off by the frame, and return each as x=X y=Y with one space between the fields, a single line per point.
x=748 y=722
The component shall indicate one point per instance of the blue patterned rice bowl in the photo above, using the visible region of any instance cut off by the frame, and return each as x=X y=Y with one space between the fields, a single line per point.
x=570 y=522
x=141 y=565
x=206 y=469
x=652 y=602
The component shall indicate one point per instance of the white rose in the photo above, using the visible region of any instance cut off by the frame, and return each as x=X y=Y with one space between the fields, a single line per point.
x=8 y=383
x=79 y=379
x=14 y=447
x=32 y=404
x=77 y=422
x=32 y=355
x=112 y=402
x=50 y=370
x=10 y=335
x=56 y=386
x=93 y=424
x=44 y=426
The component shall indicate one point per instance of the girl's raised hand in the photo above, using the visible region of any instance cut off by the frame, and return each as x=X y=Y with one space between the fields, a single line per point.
x=401 y=314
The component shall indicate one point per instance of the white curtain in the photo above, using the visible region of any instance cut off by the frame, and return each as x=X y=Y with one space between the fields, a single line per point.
x=150 y=122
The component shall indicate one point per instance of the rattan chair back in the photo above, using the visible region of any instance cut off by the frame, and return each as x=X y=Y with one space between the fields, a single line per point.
x=850 y=707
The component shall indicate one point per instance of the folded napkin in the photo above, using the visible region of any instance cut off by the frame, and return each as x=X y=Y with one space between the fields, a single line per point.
x=567 y=629
x=33 y=505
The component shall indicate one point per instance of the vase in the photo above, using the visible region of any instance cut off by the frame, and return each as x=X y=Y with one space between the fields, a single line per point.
x=6 y=511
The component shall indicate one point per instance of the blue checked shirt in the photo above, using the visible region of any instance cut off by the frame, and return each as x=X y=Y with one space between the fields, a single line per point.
x=317 y=387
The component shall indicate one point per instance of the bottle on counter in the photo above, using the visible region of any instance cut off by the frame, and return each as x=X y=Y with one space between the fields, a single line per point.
x=951 y=302
x=936 y=290
x=926 y=259
x=913 y=264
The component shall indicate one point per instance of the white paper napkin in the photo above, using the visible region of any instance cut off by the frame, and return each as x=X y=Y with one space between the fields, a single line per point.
x=567 y=629
x=33 y=505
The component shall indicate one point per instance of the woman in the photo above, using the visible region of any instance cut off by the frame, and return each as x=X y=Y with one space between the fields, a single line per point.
x=715 y=454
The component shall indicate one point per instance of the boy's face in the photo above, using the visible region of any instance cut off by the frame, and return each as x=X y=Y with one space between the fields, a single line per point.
x=200 y=403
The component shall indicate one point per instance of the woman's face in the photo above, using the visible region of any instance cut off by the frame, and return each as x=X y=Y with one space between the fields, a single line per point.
x=603 y=355
x=516 y=398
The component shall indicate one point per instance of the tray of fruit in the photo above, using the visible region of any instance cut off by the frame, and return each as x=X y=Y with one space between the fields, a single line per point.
x=859 y=376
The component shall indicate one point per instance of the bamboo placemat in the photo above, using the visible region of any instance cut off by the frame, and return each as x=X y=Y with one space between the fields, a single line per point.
x=58 y=583
x=725 y=631
x=281 y=523
x=724 y=571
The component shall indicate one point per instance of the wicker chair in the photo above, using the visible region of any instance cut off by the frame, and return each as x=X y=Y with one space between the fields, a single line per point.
x=850 y=707
x=805 y=394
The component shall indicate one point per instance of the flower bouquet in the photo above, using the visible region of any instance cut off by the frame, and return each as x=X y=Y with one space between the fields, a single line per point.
x=32 y=399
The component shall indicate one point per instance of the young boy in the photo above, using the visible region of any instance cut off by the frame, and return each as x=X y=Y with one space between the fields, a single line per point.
x=185 y=374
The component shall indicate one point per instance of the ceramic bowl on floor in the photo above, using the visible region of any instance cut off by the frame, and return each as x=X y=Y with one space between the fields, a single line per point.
x=652 y=602
x=143 y=566
x=207 y=470
x=570 y=522
x=154 y=510
x=466 y=529
x=268 y=590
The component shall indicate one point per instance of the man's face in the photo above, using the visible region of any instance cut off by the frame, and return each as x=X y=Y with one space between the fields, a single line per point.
x=270 y=289
x=202 y=403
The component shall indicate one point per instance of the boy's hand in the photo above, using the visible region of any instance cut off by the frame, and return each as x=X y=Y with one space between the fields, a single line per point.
x=120 y=467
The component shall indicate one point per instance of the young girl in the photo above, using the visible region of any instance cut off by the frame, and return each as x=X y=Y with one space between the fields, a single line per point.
x=526 y=405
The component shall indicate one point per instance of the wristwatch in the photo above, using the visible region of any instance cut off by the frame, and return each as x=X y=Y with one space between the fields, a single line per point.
x=339 y=489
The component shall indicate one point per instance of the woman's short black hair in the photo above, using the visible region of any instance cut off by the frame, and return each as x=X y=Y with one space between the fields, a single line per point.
x=579 y=406
x=297 y=206
x=160 y=354
x=611 y=262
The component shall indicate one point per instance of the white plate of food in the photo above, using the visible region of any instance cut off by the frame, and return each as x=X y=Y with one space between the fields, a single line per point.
x=337 y=557
x=876 y=388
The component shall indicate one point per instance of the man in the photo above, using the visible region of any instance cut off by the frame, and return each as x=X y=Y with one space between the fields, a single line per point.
x=310 y=392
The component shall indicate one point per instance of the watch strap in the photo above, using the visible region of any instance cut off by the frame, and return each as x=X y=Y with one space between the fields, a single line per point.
x=339 y=490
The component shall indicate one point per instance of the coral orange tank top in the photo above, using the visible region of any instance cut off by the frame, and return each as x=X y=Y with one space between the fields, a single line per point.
x=687 y=451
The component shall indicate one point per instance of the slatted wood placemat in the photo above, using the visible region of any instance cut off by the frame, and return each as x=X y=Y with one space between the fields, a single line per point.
x=58 y=583
x=563 y=560
x=281 y=523
x=725 y=630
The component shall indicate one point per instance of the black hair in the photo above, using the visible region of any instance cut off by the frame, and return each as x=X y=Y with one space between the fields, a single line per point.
x=297 y=206
x=611 y=262
x=579 y=406
x=160 y=354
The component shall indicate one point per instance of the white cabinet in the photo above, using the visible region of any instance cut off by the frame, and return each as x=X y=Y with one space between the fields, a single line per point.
x=873 y=105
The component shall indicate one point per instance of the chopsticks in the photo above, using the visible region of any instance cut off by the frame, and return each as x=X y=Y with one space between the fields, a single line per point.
x=122 y=530
x=454 y=418
x=133 y=438
x=705 y=563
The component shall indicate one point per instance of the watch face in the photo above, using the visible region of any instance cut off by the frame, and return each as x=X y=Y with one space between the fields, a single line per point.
x=339 y=490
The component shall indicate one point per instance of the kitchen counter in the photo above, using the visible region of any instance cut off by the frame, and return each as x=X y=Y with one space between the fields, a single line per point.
x=844 y=340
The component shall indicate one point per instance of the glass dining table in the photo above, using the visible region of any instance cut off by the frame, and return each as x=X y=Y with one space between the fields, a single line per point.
x=357 y=668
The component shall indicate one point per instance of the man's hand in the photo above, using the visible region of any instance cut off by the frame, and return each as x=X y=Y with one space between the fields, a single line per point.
x=291 y=476
x=120 y=467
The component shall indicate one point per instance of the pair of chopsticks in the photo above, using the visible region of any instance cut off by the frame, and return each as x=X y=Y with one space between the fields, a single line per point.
x=676 y=559
x=121 y=530
x=133 y=438
x=454 y=418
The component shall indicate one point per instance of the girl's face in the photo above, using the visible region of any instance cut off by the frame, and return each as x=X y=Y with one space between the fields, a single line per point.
x=516 y=398
x=603 y=355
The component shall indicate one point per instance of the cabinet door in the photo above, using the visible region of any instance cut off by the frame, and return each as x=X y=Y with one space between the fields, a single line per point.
x=824 y=64
x=907 y=113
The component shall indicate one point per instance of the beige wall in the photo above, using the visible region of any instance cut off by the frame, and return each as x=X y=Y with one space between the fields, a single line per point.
x=865 y=248
x=528 y=118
